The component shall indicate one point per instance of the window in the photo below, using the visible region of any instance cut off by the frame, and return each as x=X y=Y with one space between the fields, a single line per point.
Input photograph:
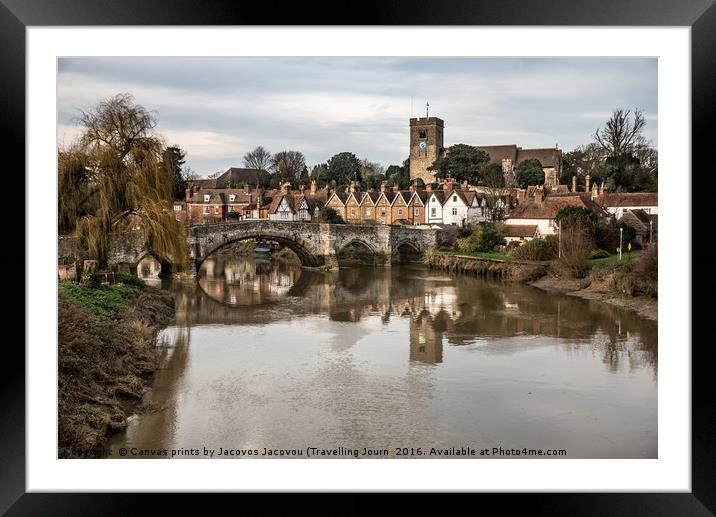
x=422 y=133
x=284 y=215
x=400 y=211
x=454 y=211
x=304 y=214
x=432 y=212
x=216 y=210
x=367 y=212
x=382 y=211
x=206 y=198
x=416 y=211
x=177 y=208
x=232 y=197
x=353 y=212
x=231 y=209
x=206 y=209
x=454 y=199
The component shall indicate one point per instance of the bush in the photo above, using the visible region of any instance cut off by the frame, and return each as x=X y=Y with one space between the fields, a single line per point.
x=464 y=232
x=607 y=234
x=598 y=254
x=127 y=279
x=233 y=215
x=489 y=237
x=469 y=244
x=536 y=249
x=576 y=244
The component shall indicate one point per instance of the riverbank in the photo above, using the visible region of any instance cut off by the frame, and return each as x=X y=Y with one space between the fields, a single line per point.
x=630 y=285
x=106 y=358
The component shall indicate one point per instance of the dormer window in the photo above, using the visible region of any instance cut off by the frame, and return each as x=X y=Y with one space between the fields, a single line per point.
x=454 y=199
x=232 y=197
x=206 y=198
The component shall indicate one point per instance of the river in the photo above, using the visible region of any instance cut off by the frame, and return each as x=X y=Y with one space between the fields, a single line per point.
x=267 y=359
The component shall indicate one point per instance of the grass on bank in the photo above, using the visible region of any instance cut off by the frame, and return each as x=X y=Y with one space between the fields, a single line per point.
x=106 y=357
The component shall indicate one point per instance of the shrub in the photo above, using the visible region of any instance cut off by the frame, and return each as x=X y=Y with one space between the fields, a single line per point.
x=598 y=254
x=576 y=244
x=233 y=215
x=464 y=232
x=128 y=279
x=489 y=237
x=469 y=244
x=536 y=249
x=607 y=234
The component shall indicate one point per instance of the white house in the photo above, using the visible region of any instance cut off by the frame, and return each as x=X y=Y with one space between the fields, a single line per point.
x=520 y=232
x=281 y=209
x=461 y=208
x=434 y=207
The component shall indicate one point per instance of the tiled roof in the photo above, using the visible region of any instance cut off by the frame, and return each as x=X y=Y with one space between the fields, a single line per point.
x=616 y=199
x=548 y=157
x=519 y=230
x=500 y=152
x=551 y=205
x=238 y=175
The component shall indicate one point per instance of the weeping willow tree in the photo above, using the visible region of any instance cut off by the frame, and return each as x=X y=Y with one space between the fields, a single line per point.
x=112 y=180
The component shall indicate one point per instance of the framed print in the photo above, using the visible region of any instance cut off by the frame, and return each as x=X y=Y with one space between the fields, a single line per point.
x=416 y=253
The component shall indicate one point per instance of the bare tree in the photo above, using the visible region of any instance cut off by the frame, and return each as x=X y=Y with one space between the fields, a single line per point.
x=622 y=133
x=259 y=159
x=493 y=180
x=288 y=165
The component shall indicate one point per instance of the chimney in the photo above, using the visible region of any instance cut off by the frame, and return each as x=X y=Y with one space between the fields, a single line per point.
x=448 y=185
x=574 y=183
x=301 y=187
x=314 y=187
x=521 y=195
x=247 y=188
x=601 y=189
x=352 y=187
x=412 y=187
x=188 y=194
x=429 y=187
x=586 y=187
x=383 y=186
x=396 y=187
x=464 y=185
x=595 y=190
x=285 y=187
x=539 y=195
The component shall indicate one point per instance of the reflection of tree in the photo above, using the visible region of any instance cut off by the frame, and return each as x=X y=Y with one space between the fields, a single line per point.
x=463 y=309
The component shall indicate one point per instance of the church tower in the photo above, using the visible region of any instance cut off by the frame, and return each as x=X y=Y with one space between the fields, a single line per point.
x=426 y=146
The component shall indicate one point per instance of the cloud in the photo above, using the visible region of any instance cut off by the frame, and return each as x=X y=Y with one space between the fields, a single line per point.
x=217 y=109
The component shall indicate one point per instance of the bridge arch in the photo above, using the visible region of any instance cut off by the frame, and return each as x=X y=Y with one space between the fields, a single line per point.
x=305 y=254
x=151 y=267
x=406 y=250
x=356 y=251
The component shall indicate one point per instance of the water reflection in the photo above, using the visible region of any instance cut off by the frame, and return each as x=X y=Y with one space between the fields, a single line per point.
x=441 y=309
x=266 y=354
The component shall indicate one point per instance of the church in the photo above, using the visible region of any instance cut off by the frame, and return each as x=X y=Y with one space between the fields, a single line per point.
x=426 y=146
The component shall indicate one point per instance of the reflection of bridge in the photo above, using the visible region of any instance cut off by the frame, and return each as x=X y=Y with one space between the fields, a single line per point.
x=315 y=244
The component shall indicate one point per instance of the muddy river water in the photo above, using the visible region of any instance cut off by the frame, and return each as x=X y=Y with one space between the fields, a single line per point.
x=271 y=360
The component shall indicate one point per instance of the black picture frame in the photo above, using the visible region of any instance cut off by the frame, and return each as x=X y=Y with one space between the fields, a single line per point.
x=700 y=15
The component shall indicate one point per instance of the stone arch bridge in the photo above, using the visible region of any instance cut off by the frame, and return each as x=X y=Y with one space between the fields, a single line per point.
x=316 y=244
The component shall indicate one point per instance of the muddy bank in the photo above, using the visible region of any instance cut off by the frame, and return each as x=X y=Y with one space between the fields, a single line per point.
x=106 y=359
x=491 y=268
x=593 y=288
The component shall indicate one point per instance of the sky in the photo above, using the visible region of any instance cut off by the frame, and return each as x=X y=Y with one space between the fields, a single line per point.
x=217 y=109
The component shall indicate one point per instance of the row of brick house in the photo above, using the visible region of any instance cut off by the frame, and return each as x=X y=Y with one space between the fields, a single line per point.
x=458 y=206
